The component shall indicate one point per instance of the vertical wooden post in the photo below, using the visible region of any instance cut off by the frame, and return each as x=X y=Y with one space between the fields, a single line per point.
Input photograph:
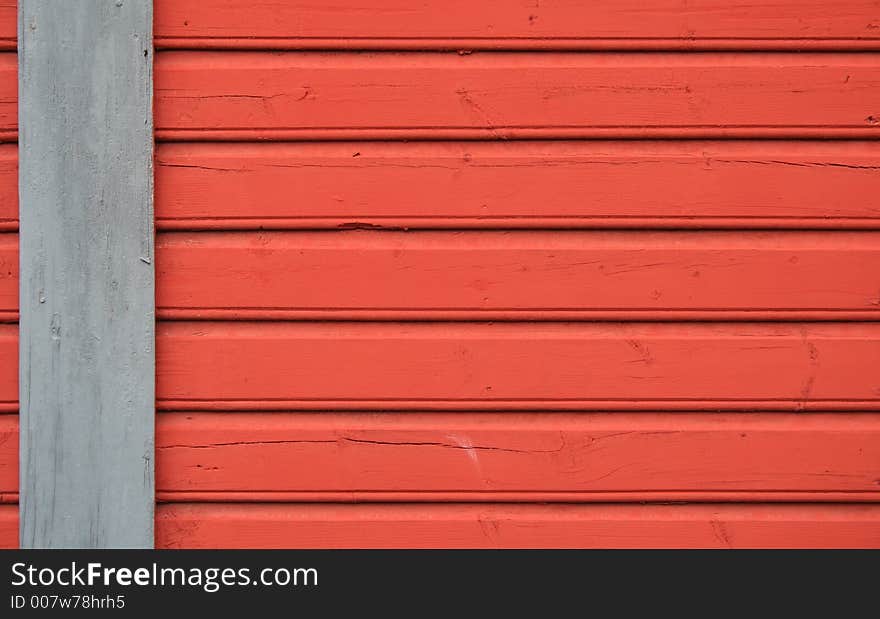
x=86 y=381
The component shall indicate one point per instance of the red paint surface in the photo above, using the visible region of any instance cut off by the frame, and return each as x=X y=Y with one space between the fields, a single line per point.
x=519 y=24
x=519 y=526
x=8 y=368
x=691 y=184
x=517 y=366
x=453 y=455
x=8 y=187
x=8 y=526
x=8 y=277
x=506 y=24
x=312 y=95
x=8 y=458
x=519 y=275
x=8 y=97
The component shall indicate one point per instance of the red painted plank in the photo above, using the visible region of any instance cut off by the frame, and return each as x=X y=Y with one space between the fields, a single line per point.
x=313 y=95
x=8 y=99
x=531 y=456
x=536 y=366
x=8 y=526
x=8 y=187
x=517 y=526
x=8 y=24
x=8 y=458
x=8 y=368
x=490 y=275
x=502 y=24
x=517 y=185
x=8 y=277
x=496 y=24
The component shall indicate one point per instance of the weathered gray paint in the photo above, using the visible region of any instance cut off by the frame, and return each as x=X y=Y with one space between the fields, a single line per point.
x=87 y=304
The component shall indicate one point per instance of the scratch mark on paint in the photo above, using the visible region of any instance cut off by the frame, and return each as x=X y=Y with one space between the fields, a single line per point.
x=465 y=443
x=719 y=529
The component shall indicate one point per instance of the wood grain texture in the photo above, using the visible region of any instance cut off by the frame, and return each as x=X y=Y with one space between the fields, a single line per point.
x=8 y=277
x=313 y=95
x=684 y=184
x=87 y=296
x=505 y=24
x=528 y=456
x=538 y=275
x=517 y=526
x=505 y=366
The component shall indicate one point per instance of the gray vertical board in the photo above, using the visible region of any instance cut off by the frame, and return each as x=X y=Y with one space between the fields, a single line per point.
x=87 y=360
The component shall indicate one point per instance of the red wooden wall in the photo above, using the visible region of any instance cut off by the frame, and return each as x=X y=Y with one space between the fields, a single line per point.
x=8 y=278
x=507 y=274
